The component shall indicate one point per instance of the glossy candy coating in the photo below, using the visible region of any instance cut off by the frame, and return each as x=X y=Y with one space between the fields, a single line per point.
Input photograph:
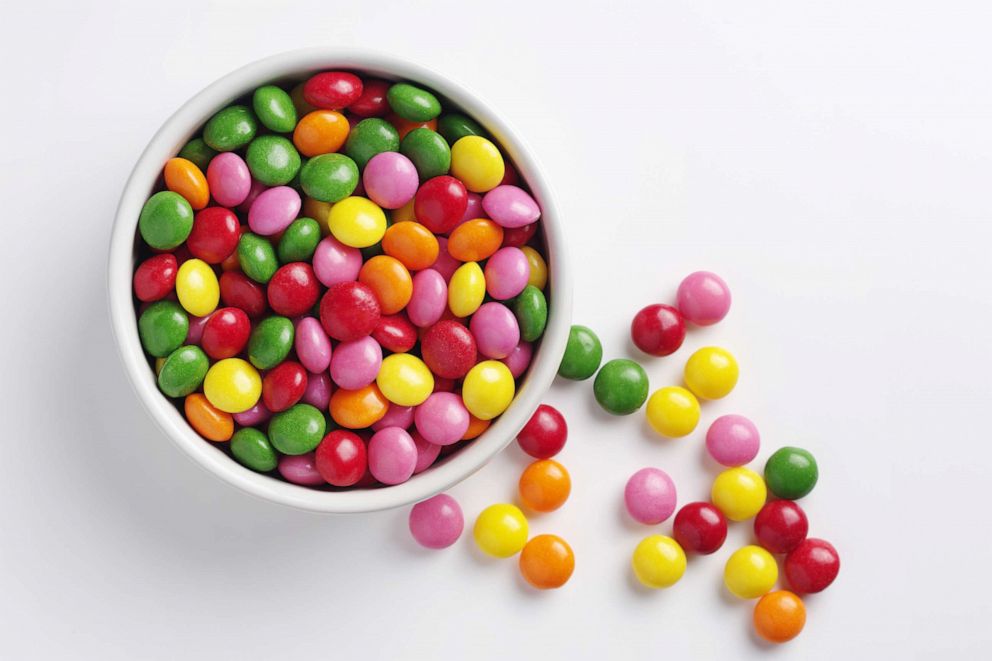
x=440 y=203
x=162 y=328
x=449 y=349
x=184 y=177
x=700 y=528
x=232 y=385
x=390 y=180
x=273 y=160
x=544 y=485
x=395 y=333
x=349 y=310
x=357 y=409
x=703 y=298
x=545 y=433
x=501 y=530
x=155 y=277
x=405 y=380
x=427 y=453
x=270 y=342
x=370 y=137
x=750 y=572
x=650 y=496
x=476 y=240
x=488 y=389
x=711 y=373
x=507 y=272
x=442 y=418
x=273 y=210
x=199 y=152
x=166 y=220
x=230 y=129
x=274 y=108
x=225 y=333
x=284 y=385
x=334 y=90
x=341 y=458
x=812 y=566
x=739 y=493
x=454 y=126
x=519 y=359
x=673 y=411
x=299 y=241
x=658 y=562
x=437 y=522
x=621 y=386
x=357 y=222
x=413 y=103
x=257 y=257
x=229 y=179
x=428 y=152
x=511 y=207
x=583 y=354
x=411 y=243
x=209 y=422
x=356 y=363
x=733 y=440
x=392 y=455
x=477 y=163
x=531 y=310
x=300 y=469
x=197 y=287
x=372 y=101
x=321 y=132
x=297 y=430
x=237 y=290
x=389 y=280
x=538 y=267
x=466 y=289
x=318 y=391
x=293 y=289
x=252 y=449
x=658 y=330
x=495 y=330
x=215 y=235
x=780 y=526
x=329 y=177
x=791 y=473
x=428 y=298
x=183 y=371
x=779 y=616
x=334 y=262
x=547 y=562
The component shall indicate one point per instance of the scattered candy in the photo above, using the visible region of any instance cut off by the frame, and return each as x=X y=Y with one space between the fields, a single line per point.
x=501 y=530
x=547 y=562
x=673 y=411
x=545 y=433
x=583 y=354
x=650 y=496
x=658 y=330
x=703 y=298
x=544 y=486
x=733 y=440
x=658 y=561
x=711 y=373
x=700 y=528
x=791 y=473
x=437 y=522
x=621 y=386
x=779 y=616
x=812 y=566
x=750 y=572
x=781 y=526
x=739 y=493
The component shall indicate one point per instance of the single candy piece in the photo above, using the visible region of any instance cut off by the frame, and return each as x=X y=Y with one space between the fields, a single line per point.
x=357 y=222
x=658 y=562
x=544 y=486
x=449 y=349
x=427 y=453
x=437 y=522
x=812 y=566
x=273 y=210
x=210 y=423
x=318 y=391
x=511 y=206
x=357 y=409
x=733 y=440
x=370 y=137
x=251 y=448
x=518 y=237
x=501 y=530
x=650 y=496
x=329 y=177
x=166 y=220
x=700 y=528
x=488 y=389
x=372 y=101
x=466 y=290
x=411 y=243
x=538 y=268
x=739 y=493
x=780 y=526
x=229 y=179
x=395 y=333
x=477 y=163
x=440 y=203
x=230 y=129
x=274 y=108
x=711 y=373
x=476 y=240
x=779 y=616
x=299 y=241
x=404 y=379
x=356 y=363
x=413 y=103
x=293 y=289
x=428 y=299
x=155 y=278
x=297 y=430
x=270 y=342
x=215 y=235
x=396 y=416
x=301 y=469
x=225 y=333
x=750 y=572
x=442 y=418
x=673 y=411
x=349 y=310
x=531 y=310
x=454 y=126
x=583 y=354
x=257 y=257
x=184 y=177
x=703 y=298
x=341 y=458
x=547 y=562
x=392 y=455
x=621 y=386
x=507 y=272
x=197 y=287
x=390 y=180
x=332 y=89
x=334 y=262
x=495 y=329
x=162 y=328
x=232 y=385
x=238 y=291
x=284 y=385
x=545 y=433
x=519 y=359
x=321 y=132
x=389 y=280
x=791 y=473
x=273 y=160
x=254 y=416
x=428 y=152
x=183 y=372
x=199 y=152
x=658 y=330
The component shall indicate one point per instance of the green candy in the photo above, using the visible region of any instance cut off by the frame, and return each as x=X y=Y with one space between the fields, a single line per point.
x=274 y=108
x=183 y=371
x=329 y=177
x=273 y=160
x=455 y=126
x=230 y=129
x=270 y=342
x=199 y=152
x=413 y=103
x=257 y=257
x=370 y=137
x=531 y=310
x=621 y=387
x=791 y=473
x=162 y=328
x=583 y=354
x=252 y=449
x=429 y=152
x=165 y=220
x=299 y=241
x=297 y=430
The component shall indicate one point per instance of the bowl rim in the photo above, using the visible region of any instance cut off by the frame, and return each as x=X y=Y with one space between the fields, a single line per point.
x=177 y=129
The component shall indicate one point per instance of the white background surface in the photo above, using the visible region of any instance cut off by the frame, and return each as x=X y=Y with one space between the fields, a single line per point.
x=831 y=160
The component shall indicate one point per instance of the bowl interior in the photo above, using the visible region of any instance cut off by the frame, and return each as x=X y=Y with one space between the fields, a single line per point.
x=145 y=179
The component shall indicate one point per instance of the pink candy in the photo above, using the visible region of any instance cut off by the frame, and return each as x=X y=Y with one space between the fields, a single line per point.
x=390 y=180
x=437 y=522
x=650 y=496
x=392 y=455
x=334 y=262
x=519 y=359
x=300 y=469
x=254 y=416
x=228 y=179
x=274 y=210
x=506 y=273
x=442 y=419
x=703 y=298
x=355 y=364
x=427 y=453
x=396 y=416
x=733 y=440
x=313 y=347
x=495 y=330
x=429 y=298
x=318 y=392
x=511 y=206
x=445 y=264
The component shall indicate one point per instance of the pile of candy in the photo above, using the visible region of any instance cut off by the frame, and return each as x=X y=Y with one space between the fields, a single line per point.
x=340 y=282
x=738 y=493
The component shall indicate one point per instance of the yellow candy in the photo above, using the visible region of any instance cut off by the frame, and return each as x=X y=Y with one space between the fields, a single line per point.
x=405 y=380
x=197 y=287
x=158 y=365
x=404 y=213
x=478 y=163
x=466 y=290
x=319 y=211
x=711 y=373
x=538 y=268
x=739 y=493
x=750 y=572
x=658 y=561
x=501 y=530
x=232 y=385
x=357 y=222
x=488 y=389
x=673 y=411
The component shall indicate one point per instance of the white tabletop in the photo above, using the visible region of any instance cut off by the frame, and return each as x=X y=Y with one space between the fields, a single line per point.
x=830 y=160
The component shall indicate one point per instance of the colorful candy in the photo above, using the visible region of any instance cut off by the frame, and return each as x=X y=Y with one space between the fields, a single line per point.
x=733 y=440
x=545 y=433
x=739 y=493
x=791 y=473
x=781 y=526
x=437 y=522
x=658 y=562
x=621 y=386
x=812 y=566
x=650 y=496
x=711 y=373
x=544 y=486
x=750 y=572
x=501 y=530
x=779 y=616
x=703 y=298
x=673 y=411
x=700 y=528
x=547 y=562
x=658 y=330
x=583 y=354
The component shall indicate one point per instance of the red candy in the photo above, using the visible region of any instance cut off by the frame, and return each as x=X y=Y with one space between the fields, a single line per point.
x=700 y=527
x=440 y=203
x=518 y=236
x=545 y=433
x=372 y=102
x=812 y=566
x=448 y=349
x=342 y=459
x=395 y=333
x=333 y=90
x=155 y=277
x=658 y=330
x=225 y=333
x=284 y=386
x=780 y=526
x=349 y=311
x=293 y=289
x=239 y=291
x=215 y=234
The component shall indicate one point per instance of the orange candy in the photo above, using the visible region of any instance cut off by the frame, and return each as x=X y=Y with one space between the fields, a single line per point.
x=209 y=422
x=390 y=281
x=357 y=409
x=411 y=243
x=544 y=486
x=404 y=126
x=475 y=427
x=183 y=177
x=475 y=240
x=547 y=562
x=321 y=132
x=779 y=616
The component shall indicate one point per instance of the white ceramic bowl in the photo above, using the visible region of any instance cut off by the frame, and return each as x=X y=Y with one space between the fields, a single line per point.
x=177 y=130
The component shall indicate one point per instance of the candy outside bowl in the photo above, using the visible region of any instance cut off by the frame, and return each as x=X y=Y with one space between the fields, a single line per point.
x=146 y=177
